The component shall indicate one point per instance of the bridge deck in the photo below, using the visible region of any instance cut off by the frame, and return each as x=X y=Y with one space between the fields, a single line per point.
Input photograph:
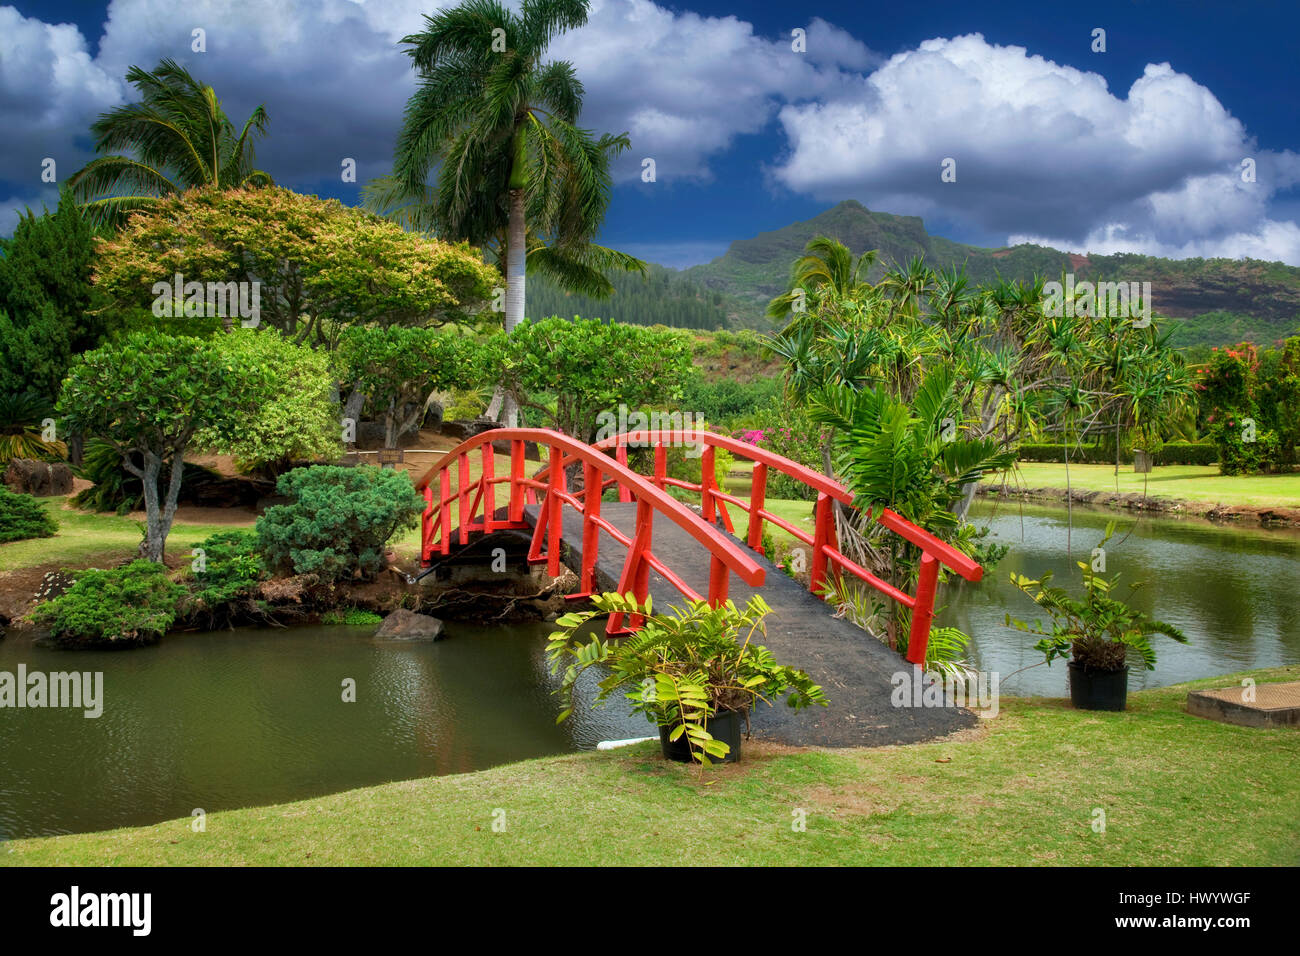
x=854 y=668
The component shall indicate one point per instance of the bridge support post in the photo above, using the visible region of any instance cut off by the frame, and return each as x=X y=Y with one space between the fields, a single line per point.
x=823 y=537
x=489 y=489
x=591 y=488
x=462 y=491
x=757 y=499
x=555 y=518
x=923 y=611
x=444 y=505
x=516 y=481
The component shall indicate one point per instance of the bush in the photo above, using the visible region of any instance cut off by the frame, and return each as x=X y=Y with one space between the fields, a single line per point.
x=22 y=517
x=339 y=522
x=224 y=580
x=125 y=606
x=726 y=399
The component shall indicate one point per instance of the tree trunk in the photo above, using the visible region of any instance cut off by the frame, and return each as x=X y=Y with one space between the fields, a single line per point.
x=158 y=512
x=516 y=265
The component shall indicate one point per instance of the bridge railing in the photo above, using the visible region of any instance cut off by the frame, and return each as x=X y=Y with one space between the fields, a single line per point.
x=826 y=558
x=474 y=503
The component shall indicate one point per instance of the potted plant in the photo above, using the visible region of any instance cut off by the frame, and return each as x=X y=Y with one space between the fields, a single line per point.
x=1099 y=633
x=695 y=673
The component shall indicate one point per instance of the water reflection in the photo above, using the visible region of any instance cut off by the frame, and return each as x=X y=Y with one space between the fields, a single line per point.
x=1233 y=590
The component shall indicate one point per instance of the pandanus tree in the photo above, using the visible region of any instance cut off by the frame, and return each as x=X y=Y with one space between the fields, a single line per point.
x=826 y=277
x=176 y=138
x=515 y=173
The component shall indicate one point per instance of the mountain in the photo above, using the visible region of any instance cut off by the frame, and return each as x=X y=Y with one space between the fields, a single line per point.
x=1219 y=301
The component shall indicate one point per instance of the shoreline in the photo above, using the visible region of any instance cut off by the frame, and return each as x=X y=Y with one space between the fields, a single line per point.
x=1266 y=516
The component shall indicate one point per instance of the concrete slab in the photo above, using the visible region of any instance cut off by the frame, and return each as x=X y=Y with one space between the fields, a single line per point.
x=1274 y=705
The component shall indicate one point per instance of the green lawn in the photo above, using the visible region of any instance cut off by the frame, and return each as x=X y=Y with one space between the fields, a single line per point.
x=84 y=535
x=1175 y=790
x=1188 y=482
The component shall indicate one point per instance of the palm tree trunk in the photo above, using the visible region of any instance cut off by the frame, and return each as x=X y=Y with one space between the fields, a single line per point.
x=516 y=262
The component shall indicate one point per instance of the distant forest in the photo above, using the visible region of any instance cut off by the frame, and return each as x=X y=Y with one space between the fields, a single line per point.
x=660 y=298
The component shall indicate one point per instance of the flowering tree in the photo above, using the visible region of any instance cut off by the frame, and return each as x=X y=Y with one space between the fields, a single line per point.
x=321 y=266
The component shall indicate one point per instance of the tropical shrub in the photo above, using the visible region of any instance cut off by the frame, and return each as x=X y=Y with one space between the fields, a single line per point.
x=22 y=517
x=295 y=419
x=147 y=395
x=224 y=578
x=1099 y=631
x=680 y=668
x=114 y=488
x=1239 y=394
x=21 y=436
x=592 y=367
x=723 y=400
x=399 y=370
x=339 y=521
x=135 y=604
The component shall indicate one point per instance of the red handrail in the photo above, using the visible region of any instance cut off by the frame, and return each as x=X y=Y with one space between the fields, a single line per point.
x=599 y=471
x=825 y=550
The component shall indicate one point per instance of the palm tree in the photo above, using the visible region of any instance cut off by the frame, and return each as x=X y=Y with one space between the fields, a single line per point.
x=181 y=138
x=825 y=275
x=515 y=174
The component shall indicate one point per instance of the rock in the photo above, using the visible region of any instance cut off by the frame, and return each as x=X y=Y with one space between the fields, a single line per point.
x=404 y=625
x=462 y=429
x=371 y=437
x=531 y=451
x=43 y=479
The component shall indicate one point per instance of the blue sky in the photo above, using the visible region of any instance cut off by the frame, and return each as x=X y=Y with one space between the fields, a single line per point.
x=1137 y=148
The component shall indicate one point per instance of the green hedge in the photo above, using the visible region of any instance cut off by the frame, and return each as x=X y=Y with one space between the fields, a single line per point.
x=22 y=517
x=1173 y=453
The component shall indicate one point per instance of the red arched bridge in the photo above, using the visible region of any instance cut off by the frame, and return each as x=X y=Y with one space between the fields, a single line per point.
x=650 y=543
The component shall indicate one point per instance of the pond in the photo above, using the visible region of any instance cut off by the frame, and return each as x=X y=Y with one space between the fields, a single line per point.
x=1234 y=590
x=251 y=716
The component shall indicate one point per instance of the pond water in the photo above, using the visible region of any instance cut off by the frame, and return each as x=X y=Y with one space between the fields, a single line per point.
x=253 y=716
x=1234 y=590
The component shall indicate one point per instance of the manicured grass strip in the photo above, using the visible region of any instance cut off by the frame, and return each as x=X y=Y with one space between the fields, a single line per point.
x=1186 y=482
x=84 y=535
x=1175 y=790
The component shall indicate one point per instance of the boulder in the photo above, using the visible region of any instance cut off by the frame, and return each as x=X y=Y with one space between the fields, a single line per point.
x=404 y=625
x=42 y=479
x=462 y=429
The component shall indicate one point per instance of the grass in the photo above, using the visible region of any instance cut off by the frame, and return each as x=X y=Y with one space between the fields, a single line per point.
x=1025 y=789
x=84 y=536
x=1186 y=482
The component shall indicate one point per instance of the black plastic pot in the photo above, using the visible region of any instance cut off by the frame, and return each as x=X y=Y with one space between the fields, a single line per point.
x=1091 y=689
x=726 y=726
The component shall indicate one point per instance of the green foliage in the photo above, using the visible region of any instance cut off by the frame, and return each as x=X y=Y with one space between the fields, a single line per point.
x=125 y=606
x=22 y=517
x=21 y=418
x=147 y=395
x=398 y=369
x=680 y=668
x=45 y=299
x=352 y=617
x=322 y=266
x=726 y=401
x=339 y=521
x=593 y=367
x=181 y=138
x=1099 y=630
x=294 y=417
x=660 y=297
x=224 y=578
x=1249 y=402
x=114 y=488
